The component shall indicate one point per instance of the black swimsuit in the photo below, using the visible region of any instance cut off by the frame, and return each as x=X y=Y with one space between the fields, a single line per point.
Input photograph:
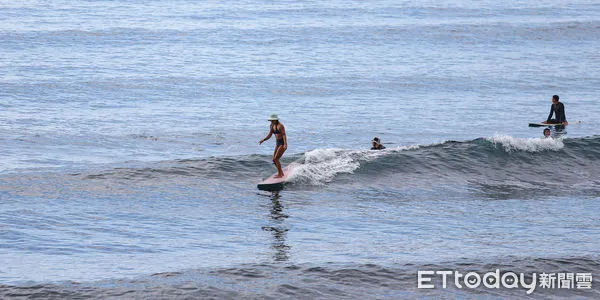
x=279 y=142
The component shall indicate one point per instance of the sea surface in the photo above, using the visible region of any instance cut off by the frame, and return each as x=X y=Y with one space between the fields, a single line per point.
x=129 y=152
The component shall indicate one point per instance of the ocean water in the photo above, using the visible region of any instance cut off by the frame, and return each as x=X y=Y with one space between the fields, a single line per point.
x=129 y=147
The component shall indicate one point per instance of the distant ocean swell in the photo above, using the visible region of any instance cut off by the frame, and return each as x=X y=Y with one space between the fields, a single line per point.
x=281 y=281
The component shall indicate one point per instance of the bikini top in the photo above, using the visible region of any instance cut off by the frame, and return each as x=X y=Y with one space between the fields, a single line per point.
x=275 y=130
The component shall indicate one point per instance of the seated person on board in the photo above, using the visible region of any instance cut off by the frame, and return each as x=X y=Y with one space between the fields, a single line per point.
x=558 y=109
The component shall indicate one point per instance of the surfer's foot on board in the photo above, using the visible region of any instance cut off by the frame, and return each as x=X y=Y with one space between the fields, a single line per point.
x=278 y=176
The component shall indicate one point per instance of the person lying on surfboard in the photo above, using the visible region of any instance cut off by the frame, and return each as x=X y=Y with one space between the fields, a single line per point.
x=281 y=141
x=558 y=109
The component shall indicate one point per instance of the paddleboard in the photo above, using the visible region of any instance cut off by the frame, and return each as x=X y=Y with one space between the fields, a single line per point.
x=274 y=184
x=545 y=125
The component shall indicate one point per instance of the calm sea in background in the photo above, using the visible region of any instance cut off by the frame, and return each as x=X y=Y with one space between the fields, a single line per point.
x=129 y=151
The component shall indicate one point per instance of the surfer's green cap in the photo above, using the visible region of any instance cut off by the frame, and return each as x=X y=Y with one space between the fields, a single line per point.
x=273 y=117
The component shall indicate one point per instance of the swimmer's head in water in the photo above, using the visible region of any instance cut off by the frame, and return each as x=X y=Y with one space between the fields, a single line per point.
x=546 y=132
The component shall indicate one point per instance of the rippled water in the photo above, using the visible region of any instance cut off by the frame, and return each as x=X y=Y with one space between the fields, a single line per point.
x=129 y=137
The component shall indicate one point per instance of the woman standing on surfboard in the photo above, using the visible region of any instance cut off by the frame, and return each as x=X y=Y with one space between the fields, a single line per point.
x=281 y=141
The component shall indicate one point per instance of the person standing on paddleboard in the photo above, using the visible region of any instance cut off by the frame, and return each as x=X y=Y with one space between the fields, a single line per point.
x=558 y=109
x=281 y=141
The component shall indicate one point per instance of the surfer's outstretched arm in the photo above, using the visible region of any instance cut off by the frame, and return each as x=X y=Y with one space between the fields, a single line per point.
x=268 y=135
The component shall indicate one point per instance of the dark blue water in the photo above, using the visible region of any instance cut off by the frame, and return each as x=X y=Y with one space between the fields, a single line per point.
x=129 y=137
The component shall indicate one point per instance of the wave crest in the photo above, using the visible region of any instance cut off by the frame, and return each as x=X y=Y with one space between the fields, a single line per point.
x=511 y=144
x=322 y=165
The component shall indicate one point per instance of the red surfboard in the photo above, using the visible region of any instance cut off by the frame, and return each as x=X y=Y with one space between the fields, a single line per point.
x=273 y=184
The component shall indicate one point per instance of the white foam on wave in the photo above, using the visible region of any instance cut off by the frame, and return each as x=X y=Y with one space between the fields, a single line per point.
x=322 y=165
x=510 y=143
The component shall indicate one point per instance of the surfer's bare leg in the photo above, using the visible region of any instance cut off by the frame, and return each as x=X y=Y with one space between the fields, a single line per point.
x=279 y=170
x=276 y=156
